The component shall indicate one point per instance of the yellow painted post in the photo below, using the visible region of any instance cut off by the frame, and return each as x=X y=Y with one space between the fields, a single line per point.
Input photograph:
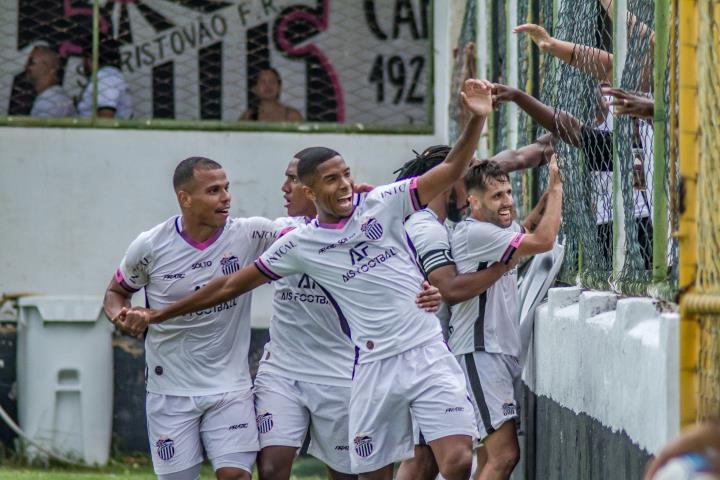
x=687 y=232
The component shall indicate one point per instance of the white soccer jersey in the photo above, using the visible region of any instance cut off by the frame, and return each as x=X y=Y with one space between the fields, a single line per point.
x=430 y=240
x=307 y=341
x=53 y=102
x=365 y=266
x=206 y=352
x=490 y=322
x=431 y=243
x=112 y=92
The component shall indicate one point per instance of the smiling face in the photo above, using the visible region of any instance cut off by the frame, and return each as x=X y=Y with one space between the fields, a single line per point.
x=331 y=189
x=297 y=203
x=495 y=203
x=205 y=200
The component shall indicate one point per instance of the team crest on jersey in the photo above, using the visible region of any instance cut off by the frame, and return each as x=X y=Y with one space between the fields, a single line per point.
x=230 y=264
x=363 y=445
x=165 y=448
x=372 y=229
x=264 y=422
x=508 y=409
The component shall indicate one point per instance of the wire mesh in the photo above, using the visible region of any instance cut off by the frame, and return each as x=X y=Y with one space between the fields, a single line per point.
x=634 y=144
x=339 y=61
x=584 y=151
x=708 y=194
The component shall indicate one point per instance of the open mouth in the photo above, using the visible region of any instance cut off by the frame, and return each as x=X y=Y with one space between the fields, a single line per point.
x=345 y=203
x=223 y=211
x=505 y=214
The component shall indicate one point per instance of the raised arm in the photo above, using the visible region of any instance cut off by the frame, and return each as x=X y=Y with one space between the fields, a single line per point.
x=476 y=95
x=529 y=156
x=567 y=127
x=542 y=238
x=457 y=287
x=590 y=60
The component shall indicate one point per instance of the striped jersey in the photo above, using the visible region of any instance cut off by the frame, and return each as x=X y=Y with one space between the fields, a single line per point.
x=491 y=321
x=205 y=352
x=307 y=342
x=365 y=268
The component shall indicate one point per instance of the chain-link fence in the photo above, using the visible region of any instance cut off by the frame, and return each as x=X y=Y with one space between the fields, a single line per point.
x=230 y=61
x=708 y=205
x=607 y=158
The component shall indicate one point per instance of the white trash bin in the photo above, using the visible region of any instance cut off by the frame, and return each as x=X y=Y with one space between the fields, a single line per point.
x=65 y=376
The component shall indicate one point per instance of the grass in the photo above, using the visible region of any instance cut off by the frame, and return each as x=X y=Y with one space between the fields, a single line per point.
x=135 y=468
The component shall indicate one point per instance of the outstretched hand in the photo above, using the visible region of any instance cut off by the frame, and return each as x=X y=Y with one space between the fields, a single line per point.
x=538 y=34
x=554 y=172
x=626 y=103
x=476 y=96
x=429 y=299
x=502 y=94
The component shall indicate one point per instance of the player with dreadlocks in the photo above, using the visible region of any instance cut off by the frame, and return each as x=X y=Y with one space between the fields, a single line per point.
x=430 y=239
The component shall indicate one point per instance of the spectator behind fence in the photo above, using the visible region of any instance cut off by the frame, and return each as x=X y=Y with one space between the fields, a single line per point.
x=267 y=106
x=42 y=70
x=113 y=94
x=596 y=144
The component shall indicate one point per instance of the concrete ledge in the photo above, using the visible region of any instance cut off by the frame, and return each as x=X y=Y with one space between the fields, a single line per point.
x=615 y=360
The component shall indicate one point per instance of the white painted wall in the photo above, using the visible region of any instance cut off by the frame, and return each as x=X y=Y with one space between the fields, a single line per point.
x=71 y=200
x=615 y=360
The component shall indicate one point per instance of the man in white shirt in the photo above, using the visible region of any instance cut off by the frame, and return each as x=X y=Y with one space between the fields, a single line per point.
x=484 y=331
x=42 y=71
x=305 y=373
x=199 y=393
x=357 y=251
x=114 y=99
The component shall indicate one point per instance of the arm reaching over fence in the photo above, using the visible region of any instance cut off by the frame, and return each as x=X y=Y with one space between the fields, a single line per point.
x=530 y=156
x=590 y=60
x=627 y=103
x=560 y=123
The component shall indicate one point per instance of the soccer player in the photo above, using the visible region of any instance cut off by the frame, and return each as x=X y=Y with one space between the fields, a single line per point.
x=356 y=250
x=485 y=330
x=198 y=383
x=305 y=373
x=430 y=239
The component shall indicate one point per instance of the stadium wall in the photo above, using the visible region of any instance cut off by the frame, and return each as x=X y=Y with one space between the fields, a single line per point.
x=74 y=198
x=601 y=386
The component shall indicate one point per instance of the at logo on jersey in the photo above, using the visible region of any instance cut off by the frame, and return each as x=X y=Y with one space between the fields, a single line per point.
x=264 y=422
x=165 y=448
x=230 y=264
x=508 y=409
x=307 y=282
x=363 y=445
x=359 y=252
x=372 y=229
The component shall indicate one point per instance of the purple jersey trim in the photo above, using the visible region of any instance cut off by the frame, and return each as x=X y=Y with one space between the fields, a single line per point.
x=121 y=281
x=355 y=363
x=194 y=243
x=265 y=270
x=335 y=226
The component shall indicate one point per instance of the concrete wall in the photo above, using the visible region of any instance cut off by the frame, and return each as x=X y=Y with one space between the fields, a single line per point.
x=73 y=199
x=602 y=391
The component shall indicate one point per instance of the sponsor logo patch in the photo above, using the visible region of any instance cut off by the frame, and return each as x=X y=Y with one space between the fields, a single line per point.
x=454 y=409
x=239 y=426
x=363 y=445
x=173 y=276
x=165 y=448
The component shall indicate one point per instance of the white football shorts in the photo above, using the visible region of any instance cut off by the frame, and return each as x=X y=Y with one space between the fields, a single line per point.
x=425 y=383
x=179 y=428
x=287 y=408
